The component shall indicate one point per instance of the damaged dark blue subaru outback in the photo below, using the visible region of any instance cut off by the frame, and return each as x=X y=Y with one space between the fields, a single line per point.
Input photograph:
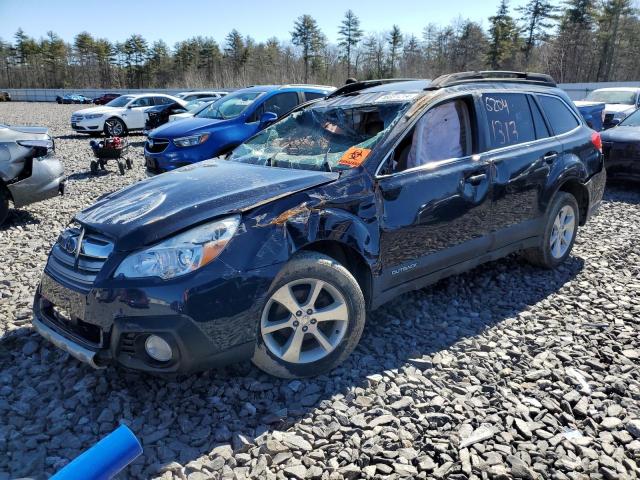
x=277 y=252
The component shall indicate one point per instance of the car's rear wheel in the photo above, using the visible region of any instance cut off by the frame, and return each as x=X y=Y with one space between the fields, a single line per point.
x=4 y=203
x=114 y=127
x=559 y=233
x=312 y=319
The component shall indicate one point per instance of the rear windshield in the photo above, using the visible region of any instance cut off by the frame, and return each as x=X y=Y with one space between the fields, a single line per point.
x=613 y=96
x=324 y=136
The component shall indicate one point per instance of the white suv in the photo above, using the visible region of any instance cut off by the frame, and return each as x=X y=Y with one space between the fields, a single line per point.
x=120 y=115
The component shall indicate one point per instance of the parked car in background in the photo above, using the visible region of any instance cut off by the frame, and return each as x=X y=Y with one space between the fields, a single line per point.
x=188 y=96
x=621 y=147
x=620 y=102
x=593 y=113
x=73 y=98
x=29 y=171
x=278 y=252
x=193 y=107
x=5 y=97
x=120 y=116
x=105 y=98
x=159 y=115
x=223 y=125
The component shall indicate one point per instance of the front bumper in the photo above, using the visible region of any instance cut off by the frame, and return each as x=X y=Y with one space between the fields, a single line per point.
x=208 y=323
x=88 y=126
x=46 y=181
x=173 y=157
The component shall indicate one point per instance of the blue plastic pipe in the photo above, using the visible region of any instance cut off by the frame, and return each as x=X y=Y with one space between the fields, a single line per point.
x=105 y=459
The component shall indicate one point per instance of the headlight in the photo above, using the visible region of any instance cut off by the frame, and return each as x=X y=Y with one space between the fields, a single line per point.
x=93 y=115
x=41 y=148
x=191 y=140
x=182 y=253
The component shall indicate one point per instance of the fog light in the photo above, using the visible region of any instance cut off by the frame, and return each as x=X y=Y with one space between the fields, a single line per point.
x=158 y=348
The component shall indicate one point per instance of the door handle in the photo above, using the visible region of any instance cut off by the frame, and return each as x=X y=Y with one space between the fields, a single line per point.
x=550 y=157
x=476 y=179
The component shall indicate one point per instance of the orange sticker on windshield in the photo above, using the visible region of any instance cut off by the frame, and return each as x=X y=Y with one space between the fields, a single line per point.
x=354 y=156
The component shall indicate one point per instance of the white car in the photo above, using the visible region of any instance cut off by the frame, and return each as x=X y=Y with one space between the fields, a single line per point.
x=120 y=116
x=188 y=96
x=619 y=103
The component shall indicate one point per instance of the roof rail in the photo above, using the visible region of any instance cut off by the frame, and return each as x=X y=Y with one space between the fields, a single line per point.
x=460 y=78
x=356 y=86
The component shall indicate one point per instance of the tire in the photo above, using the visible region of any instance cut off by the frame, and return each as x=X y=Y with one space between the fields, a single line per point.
x=549 y=254
x=4 y=203
x=334 y=285
x=121 y=168
x=114 y=127
x=129 y=163
x=94 y=167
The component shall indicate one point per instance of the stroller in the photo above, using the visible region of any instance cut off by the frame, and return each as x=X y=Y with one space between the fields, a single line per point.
x=112 y=148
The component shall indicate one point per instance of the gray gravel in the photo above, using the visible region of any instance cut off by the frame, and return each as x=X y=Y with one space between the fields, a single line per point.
x=507 y=371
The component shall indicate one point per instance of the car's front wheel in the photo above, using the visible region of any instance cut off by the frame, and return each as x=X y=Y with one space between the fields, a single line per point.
x=312 y=319
x=559 y=233
x=114 y=127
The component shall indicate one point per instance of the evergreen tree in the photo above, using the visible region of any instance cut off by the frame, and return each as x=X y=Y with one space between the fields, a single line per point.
x=537 y=16
x=395 y=43
x=307 y=35
x=349 y=35
x=504 y=39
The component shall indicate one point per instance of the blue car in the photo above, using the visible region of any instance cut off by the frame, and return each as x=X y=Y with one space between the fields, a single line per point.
x=223 y=125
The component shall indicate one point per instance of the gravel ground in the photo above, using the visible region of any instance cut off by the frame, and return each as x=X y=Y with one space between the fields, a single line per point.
x=507 y=371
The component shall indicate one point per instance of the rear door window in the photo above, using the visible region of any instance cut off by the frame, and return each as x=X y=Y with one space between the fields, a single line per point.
x=509 y=119
x=558 y=114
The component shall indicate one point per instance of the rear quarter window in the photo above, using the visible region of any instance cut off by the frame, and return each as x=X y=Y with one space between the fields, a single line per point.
x=509 y=119
x=558 y=114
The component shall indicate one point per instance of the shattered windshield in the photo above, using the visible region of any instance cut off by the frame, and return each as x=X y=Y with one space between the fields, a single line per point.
x=328 y=135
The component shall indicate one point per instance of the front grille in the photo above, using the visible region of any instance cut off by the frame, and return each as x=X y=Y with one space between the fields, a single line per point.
x=77 y=258
x=76 y=118
x=156 y=145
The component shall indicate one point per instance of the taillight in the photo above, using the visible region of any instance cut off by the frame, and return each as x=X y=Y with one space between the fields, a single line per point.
x=597 y=141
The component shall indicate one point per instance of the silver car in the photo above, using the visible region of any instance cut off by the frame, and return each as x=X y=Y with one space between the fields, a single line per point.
x=29 y=172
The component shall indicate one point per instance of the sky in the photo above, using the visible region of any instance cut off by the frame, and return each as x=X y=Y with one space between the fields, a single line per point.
x=177 y=20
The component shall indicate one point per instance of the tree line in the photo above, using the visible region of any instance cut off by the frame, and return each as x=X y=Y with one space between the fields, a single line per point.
x=575 y=41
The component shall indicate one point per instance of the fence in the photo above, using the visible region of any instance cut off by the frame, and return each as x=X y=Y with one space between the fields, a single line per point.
x=50 y=94
x=576 y=91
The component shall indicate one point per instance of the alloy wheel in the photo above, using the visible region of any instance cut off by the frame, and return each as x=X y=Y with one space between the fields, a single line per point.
x=304 y=320
x=115 y=128
x=562 y=231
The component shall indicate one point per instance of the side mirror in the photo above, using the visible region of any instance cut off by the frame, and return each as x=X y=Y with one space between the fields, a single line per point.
x=267 y=118
x=614 y=122
x=130 y=107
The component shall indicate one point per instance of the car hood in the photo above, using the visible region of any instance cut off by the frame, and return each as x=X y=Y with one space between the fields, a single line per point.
x=30 y=130
x=621 y=134
x=187 y=127
x=155 y=208
x=618 y=107
x=101 y=109
x=180 y=116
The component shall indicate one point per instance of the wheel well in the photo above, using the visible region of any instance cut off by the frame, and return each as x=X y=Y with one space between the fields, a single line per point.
x=351 y=259
x=581 y=194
